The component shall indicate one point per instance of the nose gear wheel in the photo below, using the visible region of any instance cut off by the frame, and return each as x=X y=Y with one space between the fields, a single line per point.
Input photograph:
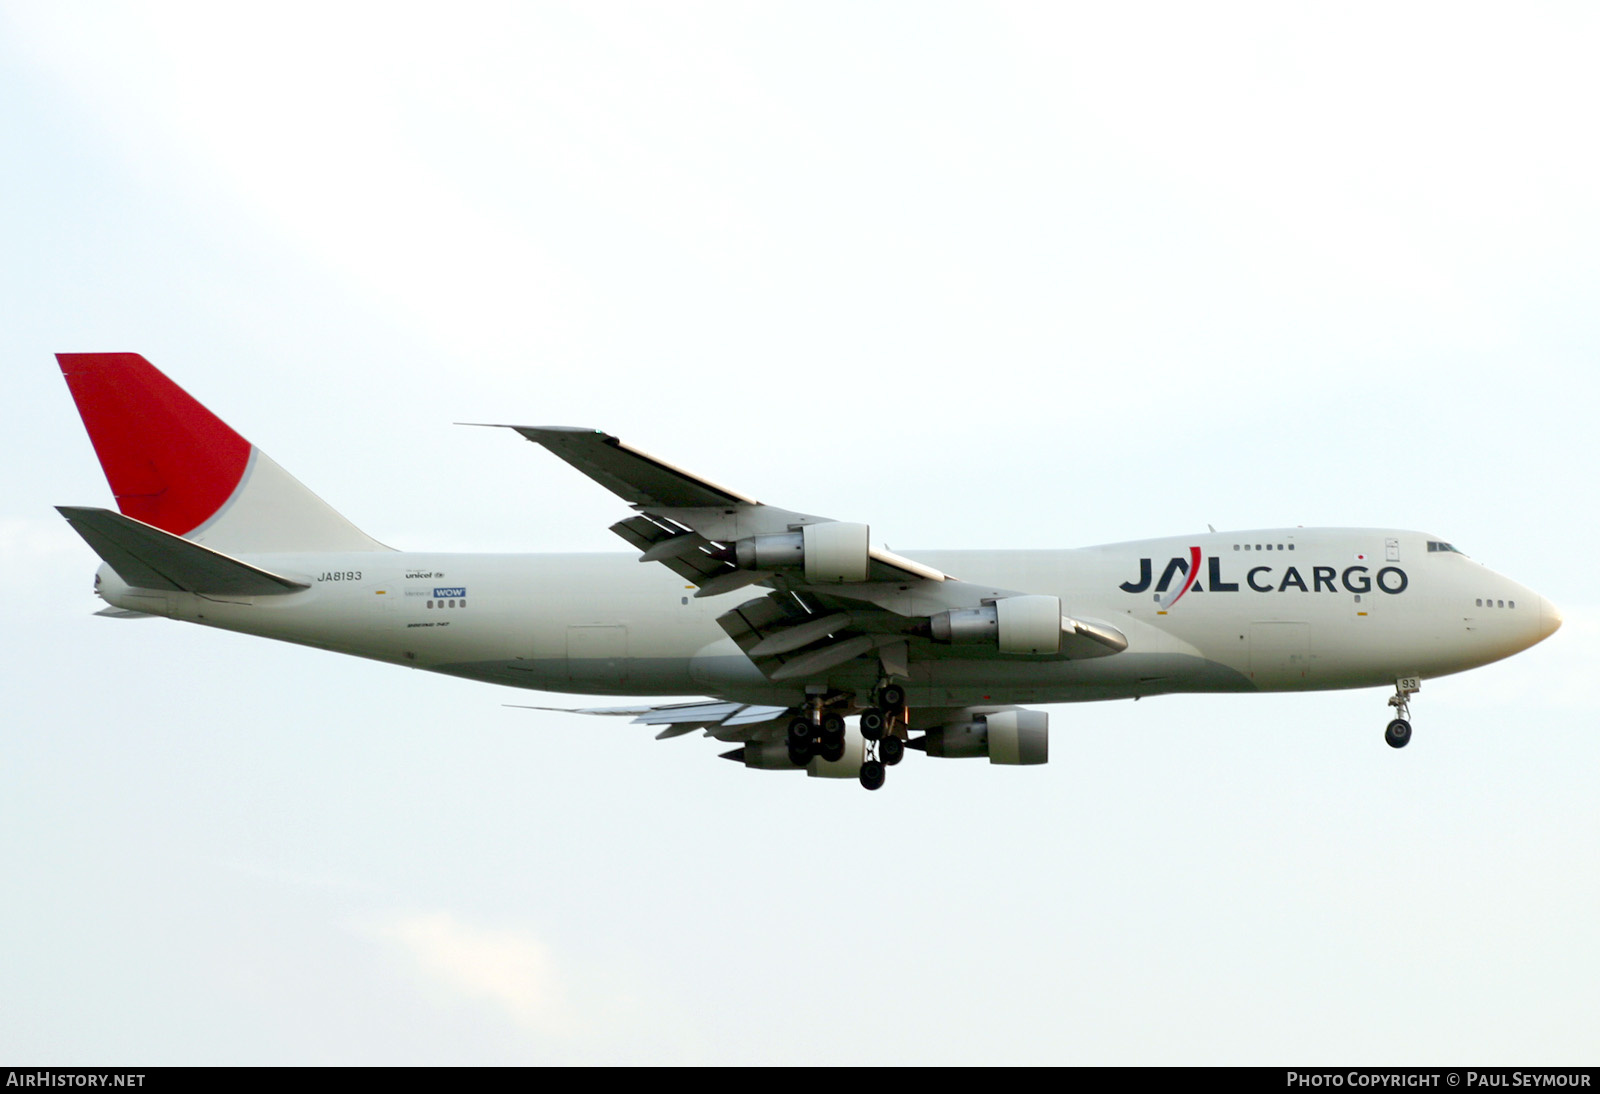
x=1398 y=732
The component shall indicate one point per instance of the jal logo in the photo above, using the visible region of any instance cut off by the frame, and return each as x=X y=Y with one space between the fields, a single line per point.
x=444 y=594
x=1182 y=575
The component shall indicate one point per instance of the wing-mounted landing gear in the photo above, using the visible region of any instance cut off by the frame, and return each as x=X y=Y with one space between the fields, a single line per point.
x=801 y=737
x=817 y=732
x=1398 y=732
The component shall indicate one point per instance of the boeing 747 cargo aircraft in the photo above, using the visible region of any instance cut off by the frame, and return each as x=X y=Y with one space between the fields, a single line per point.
x=801 y=644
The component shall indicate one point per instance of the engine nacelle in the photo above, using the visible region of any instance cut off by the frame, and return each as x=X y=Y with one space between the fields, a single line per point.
x=765 y=756
x=1006 y=737
x=774 y=756
x=1013 y=624
x=832 y=553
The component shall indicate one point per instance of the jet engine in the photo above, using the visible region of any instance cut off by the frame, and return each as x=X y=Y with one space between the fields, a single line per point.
x=1005 y=736
x=1015 y=624
x=774 y=756
x=831 y=553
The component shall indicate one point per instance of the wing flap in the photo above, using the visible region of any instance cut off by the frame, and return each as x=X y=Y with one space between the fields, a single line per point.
x=686 y=553
x=801 y=634
x=820 y=660
x=781 y=632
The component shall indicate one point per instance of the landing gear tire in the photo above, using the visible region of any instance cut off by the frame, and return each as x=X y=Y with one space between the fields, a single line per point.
x=1398 y=735
x=832 y=726
x=800 y=754
x=800 y=732
x=893 y=750
x=891 y=697
x=872 y=723
x=872 y=774
x=831 y=750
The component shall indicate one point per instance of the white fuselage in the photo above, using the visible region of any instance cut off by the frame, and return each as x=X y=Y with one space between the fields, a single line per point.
x=1288 y=609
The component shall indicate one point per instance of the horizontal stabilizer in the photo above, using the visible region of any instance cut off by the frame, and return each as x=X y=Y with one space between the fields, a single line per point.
x=148 y=558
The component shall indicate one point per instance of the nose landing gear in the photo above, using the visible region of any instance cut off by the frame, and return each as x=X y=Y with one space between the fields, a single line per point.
x=1398 y=733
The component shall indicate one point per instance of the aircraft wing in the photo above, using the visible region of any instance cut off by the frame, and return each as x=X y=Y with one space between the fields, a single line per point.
x=835 y=598
x=687 y=522
x=724 y=721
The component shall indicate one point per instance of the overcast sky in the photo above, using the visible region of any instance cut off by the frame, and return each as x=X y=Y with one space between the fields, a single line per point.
x=998 y=275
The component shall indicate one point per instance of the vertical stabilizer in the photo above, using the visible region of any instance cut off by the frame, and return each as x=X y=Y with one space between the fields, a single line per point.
x=176 y=466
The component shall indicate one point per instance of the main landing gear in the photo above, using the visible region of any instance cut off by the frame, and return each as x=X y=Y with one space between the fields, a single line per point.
x=821 y=732
x=1398 y=732
x=882 y=746
x=820 y=735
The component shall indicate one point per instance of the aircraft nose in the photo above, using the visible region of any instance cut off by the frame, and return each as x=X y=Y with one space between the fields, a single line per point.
x=1549 y=619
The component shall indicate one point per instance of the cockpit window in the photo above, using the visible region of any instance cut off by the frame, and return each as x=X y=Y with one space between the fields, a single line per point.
x=1435 y=545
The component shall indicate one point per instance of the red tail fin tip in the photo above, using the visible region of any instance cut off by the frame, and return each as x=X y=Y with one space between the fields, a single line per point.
x=170 y=461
